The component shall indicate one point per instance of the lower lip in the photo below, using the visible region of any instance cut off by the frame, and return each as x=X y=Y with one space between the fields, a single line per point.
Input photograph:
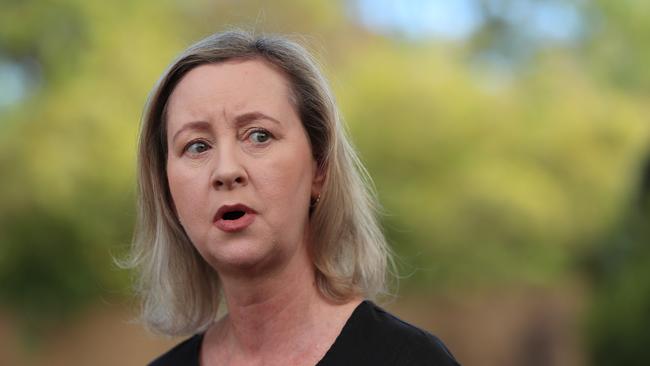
x=231 y=226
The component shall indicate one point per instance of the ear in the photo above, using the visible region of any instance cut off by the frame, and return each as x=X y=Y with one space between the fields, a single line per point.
x=319 y=179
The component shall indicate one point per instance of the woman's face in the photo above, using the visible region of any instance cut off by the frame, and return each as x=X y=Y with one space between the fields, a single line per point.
x=239 y=165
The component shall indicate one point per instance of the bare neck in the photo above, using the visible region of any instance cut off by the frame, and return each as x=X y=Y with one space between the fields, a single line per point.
x=278 y=305
x=279 y=315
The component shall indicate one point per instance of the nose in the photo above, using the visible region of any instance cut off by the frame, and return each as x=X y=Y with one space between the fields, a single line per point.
x=228 y=172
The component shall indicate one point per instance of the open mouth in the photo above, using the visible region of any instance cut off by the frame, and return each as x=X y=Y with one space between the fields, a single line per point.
x=234 y=218
x=233 y=215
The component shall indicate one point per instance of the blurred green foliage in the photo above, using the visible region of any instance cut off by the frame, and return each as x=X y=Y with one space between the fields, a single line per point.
x=618 y=321
x=522 y=176
x=489 y=174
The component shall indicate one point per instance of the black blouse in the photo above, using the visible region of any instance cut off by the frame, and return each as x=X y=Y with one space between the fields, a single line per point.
x=371 y=336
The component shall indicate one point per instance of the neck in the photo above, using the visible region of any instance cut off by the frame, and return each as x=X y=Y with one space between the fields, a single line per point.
x=276 y=317
x=280 y=315
x=263 y=311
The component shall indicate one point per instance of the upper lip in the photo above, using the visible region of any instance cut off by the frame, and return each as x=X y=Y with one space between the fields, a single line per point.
x=229 y=208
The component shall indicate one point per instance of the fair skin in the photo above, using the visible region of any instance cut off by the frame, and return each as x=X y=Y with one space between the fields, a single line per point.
x=235 y=141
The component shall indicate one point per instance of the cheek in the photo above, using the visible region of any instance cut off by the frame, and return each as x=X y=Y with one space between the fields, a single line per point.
x=185 y=193
x=287 y=182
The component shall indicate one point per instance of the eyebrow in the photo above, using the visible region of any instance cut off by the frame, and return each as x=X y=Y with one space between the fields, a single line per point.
x=246 y=118
x=195 y=125
x=240 y=120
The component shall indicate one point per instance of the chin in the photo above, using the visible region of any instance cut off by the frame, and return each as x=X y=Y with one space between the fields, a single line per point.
x=242 y=256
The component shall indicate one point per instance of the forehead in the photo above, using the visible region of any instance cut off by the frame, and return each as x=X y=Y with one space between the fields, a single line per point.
x=230 y=87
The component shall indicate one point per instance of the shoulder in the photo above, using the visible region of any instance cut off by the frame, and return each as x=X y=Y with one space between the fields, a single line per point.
x=374 y=336
x=184 y=353
x=416 y=345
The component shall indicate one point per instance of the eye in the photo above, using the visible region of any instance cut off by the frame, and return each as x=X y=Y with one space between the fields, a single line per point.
x=196 y=147
x=260 y=136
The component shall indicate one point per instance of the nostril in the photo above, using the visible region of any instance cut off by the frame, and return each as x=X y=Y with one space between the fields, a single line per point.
x=225 y=182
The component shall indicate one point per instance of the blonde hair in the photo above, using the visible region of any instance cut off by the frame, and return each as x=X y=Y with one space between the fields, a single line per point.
x=180 y=292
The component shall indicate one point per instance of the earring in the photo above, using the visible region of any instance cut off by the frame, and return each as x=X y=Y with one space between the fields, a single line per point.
x=314 y=201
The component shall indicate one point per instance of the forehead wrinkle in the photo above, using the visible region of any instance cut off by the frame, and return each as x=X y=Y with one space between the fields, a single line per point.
x=223 y=107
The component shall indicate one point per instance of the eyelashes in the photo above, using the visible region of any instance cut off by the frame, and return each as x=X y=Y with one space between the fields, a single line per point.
x=196 y=147
x=257 y=137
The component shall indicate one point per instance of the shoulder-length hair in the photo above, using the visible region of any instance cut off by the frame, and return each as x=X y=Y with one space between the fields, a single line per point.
x=180 y=292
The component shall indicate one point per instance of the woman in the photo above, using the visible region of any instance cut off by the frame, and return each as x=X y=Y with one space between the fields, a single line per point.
x=251 y=194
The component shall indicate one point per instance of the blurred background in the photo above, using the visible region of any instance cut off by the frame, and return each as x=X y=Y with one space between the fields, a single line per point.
x=509 y=141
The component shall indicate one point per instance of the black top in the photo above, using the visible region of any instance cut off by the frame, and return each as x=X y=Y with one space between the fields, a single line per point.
x=371 y=336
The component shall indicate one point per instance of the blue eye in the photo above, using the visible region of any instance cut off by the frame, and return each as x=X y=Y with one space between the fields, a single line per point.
x=196 y=147
x=260 y=136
